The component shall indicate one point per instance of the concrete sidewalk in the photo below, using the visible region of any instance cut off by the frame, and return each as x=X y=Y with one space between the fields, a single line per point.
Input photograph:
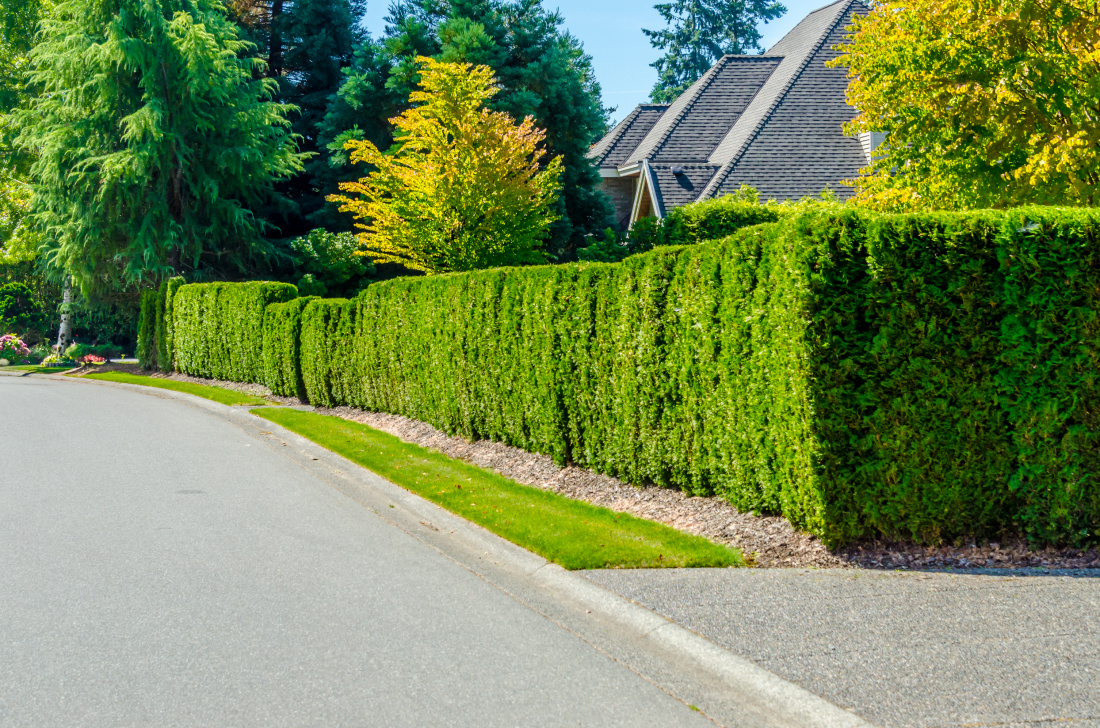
x=902 y=648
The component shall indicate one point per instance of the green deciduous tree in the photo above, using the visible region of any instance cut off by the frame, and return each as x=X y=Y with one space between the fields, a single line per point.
x=542 y=70
x=462 y=188
x=155 y=140
x=698 y=33
x=985 y=104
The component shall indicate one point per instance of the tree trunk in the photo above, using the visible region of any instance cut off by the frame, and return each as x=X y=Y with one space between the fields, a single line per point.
x=275 y=56
x=65 y=332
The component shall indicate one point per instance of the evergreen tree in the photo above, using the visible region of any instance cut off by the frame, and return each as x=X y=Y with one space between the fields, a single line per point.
x=155 y=140
x=700 y=32
x=543 y=72
x=307 y=43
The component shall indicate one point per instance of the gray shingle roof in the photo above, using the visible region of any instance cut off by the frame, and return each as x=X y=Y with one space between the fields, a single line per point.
x=715 y=109
x=677 y=190
x=800 y=147
x=772 y=121
x=613 y=150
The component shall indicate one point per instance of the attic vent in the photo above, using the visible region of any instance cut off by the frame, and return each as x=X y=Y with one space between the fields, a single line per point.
x=677 y=170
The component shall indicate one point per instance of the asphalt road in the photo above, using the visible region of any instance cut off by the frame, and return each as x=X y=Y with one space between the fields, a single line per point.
x=160 y=566
x=902 y=650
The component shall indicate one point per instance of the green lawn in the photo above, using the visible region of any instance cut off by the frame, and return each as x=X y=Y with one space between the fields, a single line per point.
x=36 y=369
x=217 y=394
x=571 y=533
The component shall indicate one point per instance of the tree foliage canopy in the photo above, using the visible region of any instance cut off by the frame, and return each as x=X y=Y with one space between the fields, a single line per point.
x=463 y=188
x=985 y=104
x=698 y=33
x=542 y=72
x=155 y=140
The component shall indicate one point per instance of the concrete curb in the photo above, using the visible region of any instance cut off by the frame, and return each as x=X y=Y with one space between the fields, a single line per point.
x=740 y=692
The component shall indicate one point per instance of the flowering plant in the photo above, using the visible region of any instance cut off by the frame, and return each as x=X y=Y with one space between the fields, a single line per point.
x=12 y=348
x=92 y=359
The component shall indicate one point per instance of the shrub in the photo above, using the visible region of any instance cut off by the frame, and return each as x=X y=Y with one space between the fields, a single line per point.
x=91 y=359
x=166 y=327
x=218 y=328
x=147 y=327
x=332 y=364
x=925 y=376
x=282 y=347
x=5 y=363
x=13 y=349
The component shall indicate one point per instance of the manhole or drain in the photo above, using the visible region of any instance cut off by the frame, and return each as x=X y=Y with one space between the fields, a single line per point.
x=189 y=492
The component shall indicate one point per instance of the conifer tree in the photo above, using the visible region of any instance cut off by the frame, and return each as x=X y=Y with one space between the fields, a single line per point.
x=156 y=141
x=698 y=33
x=307 y=43
x=542 y=70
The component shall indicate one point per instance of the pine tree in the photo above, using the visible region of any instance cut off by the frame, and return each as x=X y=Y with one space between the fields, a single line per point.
x=156 y=141
x=699 y=33
x=543 y=72
x=307 y=43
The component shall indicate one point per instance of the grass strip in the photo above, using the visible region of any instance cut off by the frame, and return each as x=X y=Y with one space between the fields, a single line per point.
x=217 y=394
x=574 y=534
x=36 y=369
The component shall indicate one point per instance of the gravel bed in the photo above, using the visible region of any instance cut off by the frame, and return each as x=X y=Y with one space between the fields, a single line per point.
x=770 y=541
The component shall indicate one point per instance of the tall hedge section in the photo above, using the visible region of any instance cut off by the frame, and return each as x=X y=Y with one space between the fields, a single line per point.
x=920 y=376
x=282 y=347
x=332 y=359
x=147 y=330
x=219 y=327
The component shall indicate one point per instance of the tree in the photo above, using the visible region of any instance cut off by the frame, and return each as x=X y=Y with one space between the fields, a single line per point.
x=983 y=104
x=698 y=33
x=329 y=264
x=463 y=188
x=543 y=72
x=307 y=44
x=155 y=141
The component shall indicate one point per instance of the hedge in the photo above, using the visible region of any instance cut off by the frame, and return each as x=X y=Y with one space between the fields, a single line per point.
x=332 y=362
x=165 y=302
x=717 y=218
x=147 y=327
x=218 y=328
x=922 y=376
x=281 y=347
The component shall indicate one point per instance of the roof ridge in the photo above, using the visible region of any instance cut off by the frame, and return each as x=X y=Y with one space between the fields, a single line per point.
x=703 y=83
x=725 y=169
x=612 y=138
x=713 y=72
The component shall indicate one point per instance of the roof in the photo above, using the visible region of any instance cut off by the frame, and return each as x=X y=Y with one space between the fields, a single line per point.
x=613 y=149
x=773 y=121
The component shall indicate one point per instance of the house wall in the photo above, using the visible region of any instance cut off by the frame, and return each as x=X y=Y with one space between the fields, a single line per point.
x=621 y=192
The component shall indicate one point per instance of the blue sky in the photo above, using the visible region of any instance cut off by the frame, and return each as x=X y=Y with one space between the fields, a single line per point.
x=611 y=31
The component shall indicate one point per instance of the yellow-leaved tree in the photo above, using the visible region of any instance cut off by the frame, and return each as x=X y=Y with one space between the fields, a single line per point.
x=462 y=188
x=985 y=103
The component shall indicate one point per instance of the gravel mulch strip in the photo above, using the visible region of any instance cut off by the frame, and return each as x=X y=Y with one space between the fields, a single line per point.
x=770 y=541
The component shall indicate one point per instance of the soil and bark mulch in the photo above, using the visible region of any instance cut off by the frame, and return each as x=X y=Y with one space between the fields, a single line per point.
x=769 y=541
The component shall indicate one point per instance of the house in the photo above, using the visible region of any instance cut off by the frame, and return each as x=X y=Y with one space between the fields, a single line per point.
x=773 y=122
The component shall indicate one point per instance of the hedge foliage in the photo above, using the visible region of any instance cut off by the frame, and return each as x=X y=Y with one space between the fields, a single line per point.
x=923 y=376
x=332 y=357
x=147 y=330
x=717 y=218
x=164 y=329
x=282 y=347
x=218 y=328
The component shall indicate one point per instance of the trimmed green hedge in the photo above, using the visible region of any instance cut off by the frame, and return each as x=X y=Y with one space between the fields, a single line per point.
x=282 y=347
x=164 y=330
x=332 y=361
x=920 y=376
x=147 y=330
x=218 y=328
x=717 y=218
